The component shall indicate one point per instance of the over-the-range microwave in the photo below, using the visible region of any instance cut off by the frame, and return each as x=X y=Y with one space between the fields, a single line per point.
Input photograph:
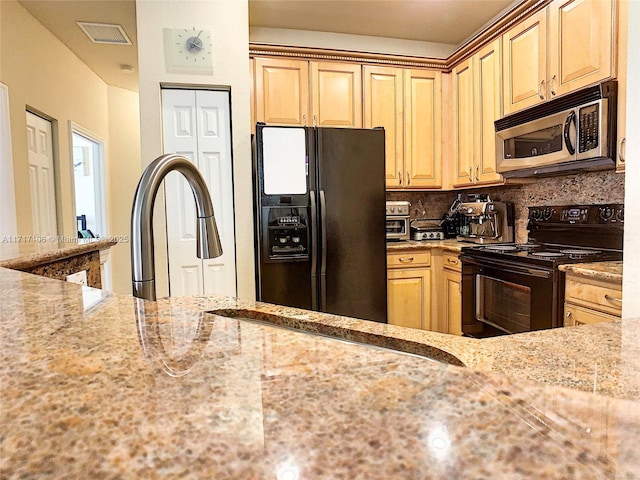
x=575 y=132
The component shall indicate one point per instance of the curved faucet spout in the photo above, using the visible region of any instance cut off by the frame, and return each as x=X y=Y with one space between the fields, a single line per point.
x=142 y=253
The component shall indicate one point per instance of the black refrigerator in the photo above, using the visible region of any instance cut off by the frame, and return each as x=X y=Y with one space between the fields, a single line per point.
x=320 y=219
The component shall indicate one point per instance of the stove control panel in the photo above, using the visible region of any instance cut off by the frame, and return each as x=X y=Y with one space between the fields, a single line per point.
x=577 y=214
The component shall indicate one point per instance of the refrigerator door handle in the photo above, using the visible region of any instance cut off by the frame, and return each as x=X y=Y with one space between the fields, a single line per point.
x=314 y=251
x=323 y=261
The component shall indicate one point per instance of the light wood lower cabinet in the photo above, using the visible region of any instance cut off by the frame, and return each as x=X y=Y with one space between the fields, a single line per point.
x=409 y=289
x=451 y=278
x=589 y=300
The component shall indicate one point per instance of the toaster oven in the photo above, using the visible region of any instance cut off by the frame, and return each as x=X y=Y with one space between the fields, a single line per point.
x=398 y=220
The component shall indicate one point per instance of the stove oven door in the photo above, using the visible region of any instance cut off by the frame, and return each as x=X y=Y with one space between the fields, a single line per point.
x=501 y=297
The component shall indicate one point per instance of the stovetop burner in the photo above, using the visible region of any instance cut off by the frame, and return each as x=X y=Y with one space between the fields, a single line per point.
x=548 y=254
x=579 y=252
x=502 y=248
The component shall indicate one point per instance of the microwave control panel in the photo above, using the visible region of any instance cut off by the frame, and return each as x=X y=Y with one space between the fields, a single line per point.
x=589 y=128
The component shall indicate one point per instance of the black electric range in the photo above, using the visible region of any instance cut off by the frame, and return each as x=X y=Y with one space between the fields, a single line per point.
x=514 y=288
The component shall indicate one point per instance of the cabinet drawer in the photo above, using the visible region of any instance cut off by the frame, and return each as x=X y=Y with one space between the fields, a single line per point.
x=593 y=294
x=574 y=315
x=408 y=259
x=450 y=261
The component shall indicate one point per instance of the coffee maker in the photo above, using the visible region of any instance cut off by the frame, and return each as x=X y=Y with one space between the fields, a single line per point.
x=485 y=221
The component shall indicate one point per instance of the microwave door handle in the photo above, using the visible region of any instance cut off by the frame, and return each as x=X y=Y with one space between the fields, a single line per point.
x=571 y=119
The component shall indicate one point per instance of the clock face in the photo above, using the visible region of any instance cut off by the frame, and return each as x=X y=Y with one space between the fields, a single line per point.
x=190 y=50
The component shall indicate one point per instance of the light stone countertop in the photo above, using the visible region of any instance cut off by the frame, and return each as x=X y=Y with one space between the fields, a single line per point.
x=607 y=271
x=21 y=252
x=102 y=385
x=450 y=244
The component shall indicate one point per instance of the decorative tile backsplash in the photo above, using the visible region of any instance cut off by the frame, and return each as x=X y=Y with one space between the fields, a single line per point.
x=583 y=188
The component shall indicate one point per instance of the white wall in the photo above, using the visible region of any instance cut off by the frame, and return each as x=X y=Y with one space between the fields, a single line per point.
x=631 y=274
x=355 y=43
x=8 y=222
x=229 y=23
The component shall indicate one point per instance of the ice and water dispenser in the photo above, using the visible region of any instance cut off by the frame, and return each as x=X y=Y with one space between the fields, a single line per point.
x=286 y=231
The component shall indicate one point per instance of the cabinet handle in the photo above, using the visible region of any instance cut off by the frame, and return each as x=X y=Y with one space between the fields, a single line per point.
x=406 y=259
x=400 y=176
x=568 y=314
x=621 y=144
x=304 y=120
x=612 y=299
x=540 y=85
x=477 y=173
x=470 y=175
x=553 y=92
x=452 y=261
x=315 y=120
x=408 y=178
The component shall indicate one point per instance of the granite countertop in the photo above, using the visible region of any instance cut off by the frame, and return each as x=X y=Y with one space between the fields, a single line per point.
x=607 y=271
x=451 y=244
x=22 y=252
x=101 y=385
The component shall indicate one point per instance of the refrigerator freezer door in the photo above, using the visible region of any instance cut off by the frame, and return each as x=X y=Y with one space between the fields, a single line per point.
x=350 y=164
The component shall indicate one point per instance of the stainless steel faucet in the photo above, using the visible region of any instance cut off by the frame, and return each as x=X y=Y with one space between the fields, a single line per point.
x=142 y=254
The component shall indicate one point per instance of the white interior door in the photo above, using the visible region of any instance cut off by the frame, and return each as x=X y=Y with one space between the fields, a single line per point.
x=41 y=175
x=196 y=125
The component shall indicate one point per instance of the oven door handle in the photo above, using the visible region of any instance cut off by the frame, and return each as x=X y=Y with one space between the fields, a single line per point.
x=506 y=267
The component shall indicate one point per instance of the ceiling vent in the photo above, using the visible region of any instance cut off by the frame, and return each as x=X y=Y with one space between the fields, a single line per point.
x=105 y=33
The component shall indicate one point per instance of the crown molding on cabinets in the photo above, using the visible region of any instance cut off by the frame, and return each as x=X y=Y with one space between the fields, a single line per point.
x=305 y=53
x=475 y=43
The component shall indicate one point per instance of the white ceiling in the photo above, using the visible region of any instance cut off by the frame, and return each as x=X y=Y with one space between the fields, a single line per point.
x=439 y=21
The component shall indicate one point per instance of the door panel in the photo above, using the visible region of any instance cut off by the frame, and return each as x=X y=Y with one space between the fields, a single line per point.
x=351 y=174
x=383 y=107
x=336 y=90
x=41 y=176
x=463 y=146
x=423 y=114
x=196 y=125
x=409 y=297
x=525 y=59
x=580 y=43
x=282 y=91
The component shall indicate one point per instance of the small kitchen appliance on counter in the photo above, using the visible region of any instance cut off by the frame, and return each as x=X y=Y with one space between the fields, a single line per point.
x=397 y=220
x=485 y=221
x=426 y=229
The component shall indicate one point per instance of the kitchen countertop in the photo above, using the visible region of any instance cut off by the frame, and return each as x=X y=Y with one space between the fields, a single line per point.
x=20 y=252
x=450 y=244
x=608 y=271
x=102 y=385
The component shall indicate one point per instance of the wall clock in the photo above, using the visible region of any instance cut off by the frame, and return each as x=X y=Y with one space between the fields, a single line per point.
x=189 y=50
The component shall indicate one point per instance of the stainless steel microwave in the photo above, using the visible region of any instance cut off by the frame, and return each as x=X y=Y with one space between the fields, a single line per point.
x=575 y=132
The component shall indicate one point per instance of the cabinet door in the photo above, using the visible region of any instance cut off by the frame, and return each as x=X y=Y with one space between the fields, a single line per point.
x=282 y=91
x=488 y=110
x=463 y=126
x=409 y=301
x=575 y=315
x=336 y=94
x=524 y=63
x=423 y=123
x=580 y=43
x=452 y=301
x=383 y=107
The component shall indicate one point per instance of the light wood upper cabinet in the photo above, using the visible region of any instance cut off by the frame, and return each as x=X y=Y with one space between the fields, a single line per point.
x=488 y=110
x=477 y=95
x=525 y=63
x=423 y=128
x=567 y=46
x=384 y=107
x=336 y=94
x=281 y=91
x=298 y=92
x=580 y=43
x=463 y=120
